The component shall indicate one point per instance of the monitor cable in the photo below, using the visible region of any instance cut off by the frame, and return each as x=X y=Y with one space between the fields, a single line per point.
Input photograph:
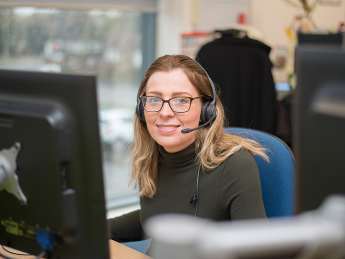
x=39 y=256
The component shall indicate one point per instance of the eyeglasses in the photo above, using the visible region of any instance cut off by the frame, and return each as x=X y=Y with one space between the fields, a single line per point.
x=177 y=104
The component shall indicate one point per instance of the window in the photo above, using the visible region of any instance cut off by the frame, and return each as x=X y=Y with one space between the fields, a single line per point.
x=109 y=43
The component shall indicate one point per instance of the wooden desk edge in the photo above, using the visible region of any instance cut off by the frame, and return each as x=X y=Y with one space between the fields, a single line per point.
x=117 y=251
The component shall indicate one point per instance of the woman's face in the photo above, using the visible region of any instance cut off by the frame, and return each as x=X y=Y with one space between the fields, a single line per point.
x=165 y=126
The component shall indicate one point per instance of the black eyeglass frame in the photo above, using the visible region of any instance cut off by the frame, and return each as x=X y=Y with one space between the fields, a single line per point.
x=168 y=101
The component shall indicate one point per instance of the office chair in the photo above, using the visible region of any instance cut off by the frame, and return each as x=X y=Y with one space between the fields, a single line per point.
x=277 y=178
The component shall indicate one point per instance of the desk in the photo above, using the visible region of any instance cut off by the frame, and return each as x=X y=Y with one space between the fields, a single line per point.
x=117 y=251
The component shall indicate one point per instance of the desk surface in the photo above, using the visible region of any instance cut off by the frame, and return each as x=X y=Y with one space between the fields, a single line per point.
x=117 y=251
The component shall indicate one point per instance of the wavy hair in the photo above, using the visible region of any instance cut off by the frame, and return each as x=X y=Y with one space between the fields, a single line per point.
x=213 y=144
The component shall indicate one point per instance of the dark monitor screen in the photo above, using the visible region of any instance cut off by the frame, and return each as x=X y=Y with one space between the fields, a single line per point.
x=325 y=39
x=319 y=130
x=51 y=182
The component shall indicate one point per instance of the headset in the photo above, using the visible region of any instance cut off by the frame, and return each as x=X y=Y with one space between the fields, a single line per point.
x=208 y=110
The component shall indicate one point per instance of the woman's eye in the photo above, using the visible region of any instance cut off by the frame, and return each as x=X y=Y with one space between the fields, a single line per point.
x=154 y=100
x=181 y=100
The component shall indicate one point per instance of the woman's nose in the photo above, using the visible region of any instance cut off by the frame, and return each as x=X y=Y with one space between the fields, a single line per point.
x=166 y=110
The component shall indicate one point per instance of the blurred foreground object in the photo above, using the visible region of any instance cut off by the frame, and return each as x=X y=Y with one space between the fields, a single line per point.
x=315 y=234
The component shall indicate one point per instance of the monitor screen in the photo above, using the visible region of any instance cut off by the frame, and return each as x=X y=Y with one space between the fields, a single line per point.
x=51 y=182
x=319 y=124
x=282 y=87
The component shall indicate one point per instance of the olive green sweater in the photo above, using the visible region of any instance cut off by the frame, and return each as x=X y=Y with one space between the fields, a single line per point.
x=230 y=192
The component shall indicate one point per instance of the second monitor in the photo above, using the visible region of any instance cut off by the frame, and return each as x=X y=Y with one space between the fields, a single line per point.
x=319 y=124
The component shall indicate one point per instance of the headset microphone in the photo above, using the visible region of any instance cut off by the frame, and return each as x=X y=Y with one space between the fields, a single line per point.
x=185 y=131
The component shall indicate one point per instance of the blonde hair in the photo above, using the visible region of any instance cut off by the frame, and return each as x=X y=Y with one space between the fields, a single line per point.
x=213 y=144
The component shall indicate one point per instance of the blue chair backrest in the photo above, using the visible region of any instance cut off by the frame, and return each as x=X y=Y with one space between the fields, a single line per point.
x=278 y=176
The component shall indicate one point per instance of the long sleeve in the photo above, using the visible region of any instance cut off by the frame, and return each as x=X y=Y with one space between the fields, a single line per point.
x=241 y=187
x=126 y=228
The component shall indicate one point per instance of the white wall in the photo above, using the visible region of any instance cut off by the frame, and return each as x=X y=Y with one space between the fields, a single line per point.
x=169 y=26
x=219 y=14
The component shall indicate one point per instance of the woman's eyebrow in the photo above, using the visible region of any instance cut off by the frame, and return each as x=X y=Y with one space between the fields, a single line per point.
x=173 y=94
x=180 y=93
x=153 y=92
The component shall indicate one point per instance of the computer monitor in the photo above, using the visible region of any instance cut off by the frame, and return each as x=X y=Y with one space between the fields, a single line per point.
x=319 y=124
x=51 y=183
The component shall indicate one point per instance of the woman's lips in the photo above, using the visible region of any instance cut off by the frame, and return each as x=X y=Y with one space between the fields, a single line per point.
x=167 y=128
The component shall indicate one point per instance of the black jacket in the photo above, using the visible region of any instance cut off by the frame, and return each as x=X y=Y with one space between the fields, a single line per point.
x=242 y=70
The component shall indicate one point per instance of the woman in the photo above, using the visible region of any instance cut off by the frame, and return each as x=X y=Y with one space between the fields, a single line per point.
x=207 y=172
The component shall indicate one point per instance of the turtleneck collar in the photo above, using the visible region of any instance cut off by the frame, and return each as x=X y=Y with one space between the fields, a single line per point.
x=179 y=159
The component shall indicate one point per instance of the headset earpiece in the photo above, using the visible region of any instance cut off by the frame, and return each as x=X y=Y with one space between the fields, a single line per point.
x=210 y=111
x=203 y=114
x=139 y=110
x=207 y=112
x=142 y=114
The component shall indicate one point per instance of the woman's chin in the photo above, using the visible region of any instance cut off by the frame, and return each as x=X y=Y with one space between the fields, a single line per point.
x=173 y=146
